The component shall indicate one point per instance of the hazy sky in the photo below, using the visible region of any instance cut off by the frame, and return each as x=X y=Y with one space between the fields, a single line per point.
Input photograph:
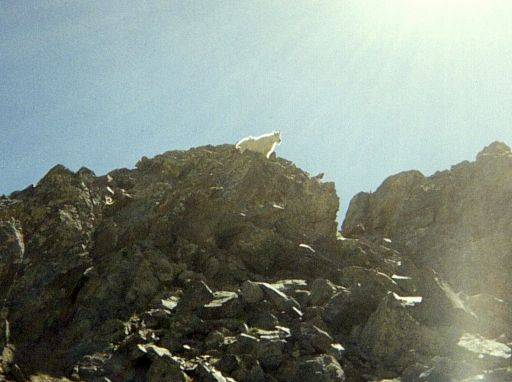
x=360 y=89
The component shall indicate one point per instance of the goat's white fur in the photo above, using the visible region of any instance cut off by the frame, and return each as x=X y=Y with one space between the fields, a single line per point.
x=264 y=144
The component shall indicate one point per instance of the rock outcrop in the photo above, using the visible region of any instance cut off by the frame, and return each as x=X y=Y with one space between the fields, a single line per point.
x=457 y=222
x=212 y=265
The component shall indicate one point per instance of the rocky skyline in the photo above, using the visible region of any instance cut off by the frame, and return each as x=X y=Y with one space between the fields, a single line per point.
x=210 y=265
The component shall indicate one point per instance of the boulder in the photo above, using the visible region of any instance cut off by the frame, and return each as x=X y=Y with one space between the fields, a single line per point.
x=224 y=304
x=321 y=291
x=270 y=352
x=279 y=299
x=394 y=339
x=196 y=295
x=251 y=292
x=321 y=368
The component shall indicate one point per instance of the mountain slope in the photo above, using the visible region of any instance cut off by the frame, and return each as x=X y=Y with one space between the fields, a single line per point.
x=211 y=265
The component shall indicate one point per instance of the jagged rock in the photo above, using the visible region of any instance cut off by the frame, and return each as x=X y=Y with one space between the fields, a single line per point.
x=249 y=370
x=214 y=340
x=301 y=296
x=337 y=351
x=489 y=353
x=196 y=295
x=156 y=318
x=495 y=149
x=315 y=338
x=208 y=374
x=321 y=292
x=228 y=363
x=143 y=274
x=225 y=304
x=279 y=299
x=322 y=368
x=8 y=358
x=163 y=370
x=352 y=307
x=263 y=319
x=440 y=369
x=394 y=339
x=496 y=375
x=269 y=352
x=251 y=292
x=163 y=365
x=319 y=339
x=241 y=344
x=455 y=221
x=492 y=315
x=255 y=374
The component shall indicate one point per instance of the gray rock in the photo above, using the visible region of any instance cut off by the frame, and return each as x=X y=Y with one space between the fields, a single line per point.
x=241 y=344
x=321 y=291
x=255 y=374
x=319 y=339
x=228 y=363
x=251 y=292
x=456 y=221
x=337 y=351
x=495 y=149
x=269 y=352
x=95 y=259
x=196 y=295
x=440 y=369
x=224 y=305
x=322 y=368
x=214 y=340
x=279 y=299
x=263 y=319
x=302 y=296
x=208 y=373
x=394 y=339
x=352 y=307
x=163 y=370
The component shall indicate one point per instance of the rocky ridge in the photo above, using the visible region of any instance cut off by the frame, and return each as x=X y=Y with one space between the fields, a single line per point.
x=211 y=265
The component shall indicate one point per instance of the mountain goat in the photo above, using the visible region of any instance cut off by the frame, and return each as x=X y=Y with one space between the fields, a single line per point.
x=264 y=144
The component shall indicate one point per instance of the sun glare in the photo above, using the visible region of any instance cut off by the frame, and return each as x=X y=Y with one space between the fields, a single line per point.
x=424 y=9
x=457 y=13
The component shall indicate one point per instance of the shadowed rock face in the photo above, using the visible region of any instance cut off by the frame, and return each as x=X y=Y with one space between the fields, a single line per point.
x=80 y=252
x=458 y=222
x=212 y=265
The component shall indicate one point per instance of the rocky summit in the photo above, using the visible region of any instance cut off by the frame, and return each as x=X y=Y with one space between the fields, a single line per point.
x=210 y=265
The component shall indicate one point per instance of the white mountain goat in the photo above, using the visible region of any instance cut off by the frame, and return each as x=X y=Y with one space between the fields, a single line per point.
x=264 y=144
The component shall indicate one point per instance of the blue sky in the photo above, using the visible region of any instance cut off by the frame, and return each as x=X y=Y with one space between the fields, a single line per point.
x=360 y=89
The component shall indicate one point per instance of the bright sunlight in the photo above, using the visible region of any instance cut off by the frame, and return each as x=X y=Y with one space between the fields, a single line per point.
x=444 y=9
